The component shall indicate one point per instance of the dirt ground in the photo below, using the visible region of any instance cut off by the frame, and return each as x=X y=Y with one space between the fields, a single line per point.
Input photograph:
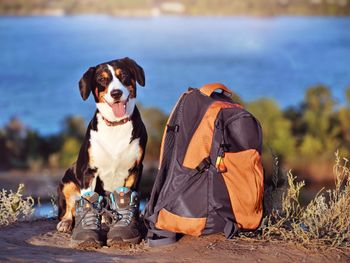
x=39 y=241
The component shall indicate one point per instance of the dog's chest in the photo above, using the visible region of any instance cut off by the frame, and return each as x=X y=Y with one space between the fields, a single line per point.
x=113 y=154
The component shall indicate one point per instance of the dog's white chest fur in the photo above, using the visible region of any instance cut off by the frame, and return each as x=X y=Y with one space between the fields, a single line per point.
x=112 y=153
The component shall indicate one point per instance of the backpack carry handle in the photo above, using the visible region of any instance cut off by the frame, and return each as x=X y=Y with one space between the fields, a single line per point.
x=208 y=89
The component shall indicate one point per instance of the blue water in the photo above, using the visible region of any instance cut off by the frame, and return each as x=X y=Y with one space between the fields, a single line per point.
x=43 y=58
x=46 y=210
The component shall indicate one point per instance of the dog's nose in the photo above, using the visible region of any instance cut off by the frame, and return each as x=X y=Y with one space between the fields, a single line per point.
x=116 y=94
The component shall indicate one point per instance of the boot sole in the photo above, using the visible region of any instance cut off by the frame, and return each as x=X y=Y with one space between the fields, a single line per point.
x=121 y=242
x=86 y=244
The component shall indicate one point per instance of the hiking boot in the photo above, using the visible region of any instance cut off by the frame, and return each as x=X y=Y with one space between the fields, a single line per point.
x=87 y=229
x=124 y=205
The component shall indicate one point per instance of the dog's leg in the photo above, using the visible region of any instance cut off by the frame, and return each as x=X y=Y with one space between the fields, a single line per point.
x=132 y=181
x=68 y=193
x=135 y=173
x=89 y=181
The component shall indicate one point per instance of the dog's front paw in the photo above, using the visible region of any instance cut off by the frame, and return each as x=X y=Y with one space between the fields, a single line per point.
x=65 y=226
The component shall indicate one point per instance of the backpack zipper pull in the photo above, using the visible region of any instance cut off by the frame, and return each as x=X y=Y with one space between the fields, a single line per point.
x=220 y=165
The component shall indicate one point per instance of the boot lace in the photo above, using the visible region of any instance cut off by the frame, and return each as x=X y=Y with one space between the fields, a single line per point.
x=120 y=216
x=91 y=219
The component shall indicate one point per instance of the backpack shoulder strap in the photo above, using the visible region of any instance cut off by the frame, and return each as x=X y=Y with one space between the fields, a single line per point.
x=208 y=89
x=156 y=237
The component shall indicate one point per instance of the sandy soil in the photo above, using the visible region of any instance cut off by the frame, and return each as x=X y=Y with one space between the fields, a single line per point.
x=39 y=242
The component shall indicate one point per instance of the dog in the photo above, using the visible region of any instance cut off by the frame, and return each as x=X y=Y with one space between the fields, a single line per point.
x=114 y=145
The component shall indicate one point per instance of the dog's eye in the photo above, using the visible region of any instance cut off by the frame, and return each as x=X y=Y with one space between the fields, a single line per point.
x=125 y=78
x=124 y=75
x=101 y=79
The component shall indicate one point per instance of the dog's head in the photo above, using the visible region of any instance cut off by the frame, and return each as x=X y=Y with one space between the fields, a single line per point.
x=113 y=85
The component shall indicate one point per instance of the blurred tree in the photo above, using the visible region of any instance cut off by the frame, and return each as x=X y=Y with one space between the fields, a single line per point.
x=295 y=116
x=4 y=151
x=31 y=149
x=347 y=96
x=236 y=98
x=15 y=133
x=73 y=134
x=344 y=126
x=276 y=128
x=155 y=121
x=311 y=147
x=50 y=145
x=69 y=152
x=318 y=110
x=317 y=116
x=74 y=126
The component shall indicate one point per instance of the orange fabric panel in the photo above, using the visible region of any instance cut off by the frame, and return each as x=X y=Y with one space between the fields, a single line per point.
x=245 y=183
x=186 y=225
x=200 y=144
x=162 y=144
x=211 y=87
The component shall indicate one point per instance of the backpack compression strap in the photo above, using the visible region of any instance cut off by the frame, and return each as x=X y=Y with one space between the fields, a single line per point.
x=208 y=89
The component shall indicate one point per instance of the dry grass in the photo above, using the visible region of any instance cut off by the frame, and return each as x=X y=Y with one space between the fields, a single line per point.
x=13 y=207
x=53 y=200
x=324 y=221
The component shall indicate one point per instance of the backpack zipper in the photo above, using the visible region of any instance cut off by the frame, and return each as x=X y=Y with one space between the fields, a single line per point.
x=220 y=164
x=242 y=114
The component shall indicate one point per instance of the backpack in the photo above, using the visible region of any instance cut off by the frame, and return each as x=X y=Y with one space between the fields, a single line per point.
x=210 y=176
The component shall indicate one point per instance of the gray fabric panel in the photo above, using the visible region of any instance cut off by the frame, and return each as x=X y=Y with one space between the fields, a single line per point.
x=163 y=175
x=241 y=130
x=219 y=203
x=195 y=105
x=215 y=222
x=193 y=202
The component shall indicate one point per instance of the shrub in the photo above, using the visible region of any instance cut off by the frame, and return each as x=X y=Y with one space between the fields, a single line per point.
x=325 y=220
x=13 y=207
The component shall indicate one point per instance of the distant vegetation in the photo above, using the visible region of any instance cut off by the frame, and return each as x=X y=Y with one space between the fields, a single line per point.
x=183 y=7
x=23 y=148
x=304 y=136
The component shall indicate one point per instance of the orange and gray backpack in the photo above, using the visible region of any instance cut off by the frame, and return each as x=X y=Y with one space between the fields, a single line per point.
x=210 y=177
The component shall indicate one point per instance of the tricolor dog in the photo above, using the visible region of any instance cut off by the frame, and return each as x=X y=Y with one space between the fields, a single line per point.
x=113 y=149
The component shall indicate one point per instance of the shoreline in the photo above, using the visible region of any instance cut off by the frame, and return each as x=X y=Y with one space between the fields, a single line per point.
x=132 y=15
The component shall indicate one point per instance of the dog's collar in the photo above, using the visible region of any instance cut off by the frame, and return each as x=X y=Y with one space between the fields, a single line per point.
x=116 y=123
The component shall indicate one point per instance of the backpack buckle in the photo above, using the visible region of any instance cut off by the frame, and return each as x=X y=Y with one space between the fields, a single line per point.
x=204 y=165
x=174 y=128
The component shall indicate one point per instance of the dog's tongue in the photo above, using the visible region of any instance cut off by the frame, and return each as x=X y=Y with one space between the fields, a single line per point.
x=118 y=109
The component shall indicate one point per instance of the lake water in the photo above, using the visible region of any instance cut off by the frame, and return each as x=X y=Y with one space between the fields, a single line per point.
x=43 y=58
x=46 y=210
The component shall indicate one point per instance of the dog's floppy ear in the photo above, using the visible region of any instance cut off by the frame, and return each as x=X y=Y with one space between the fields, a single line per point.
x=136 y=70
x=85 y=83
